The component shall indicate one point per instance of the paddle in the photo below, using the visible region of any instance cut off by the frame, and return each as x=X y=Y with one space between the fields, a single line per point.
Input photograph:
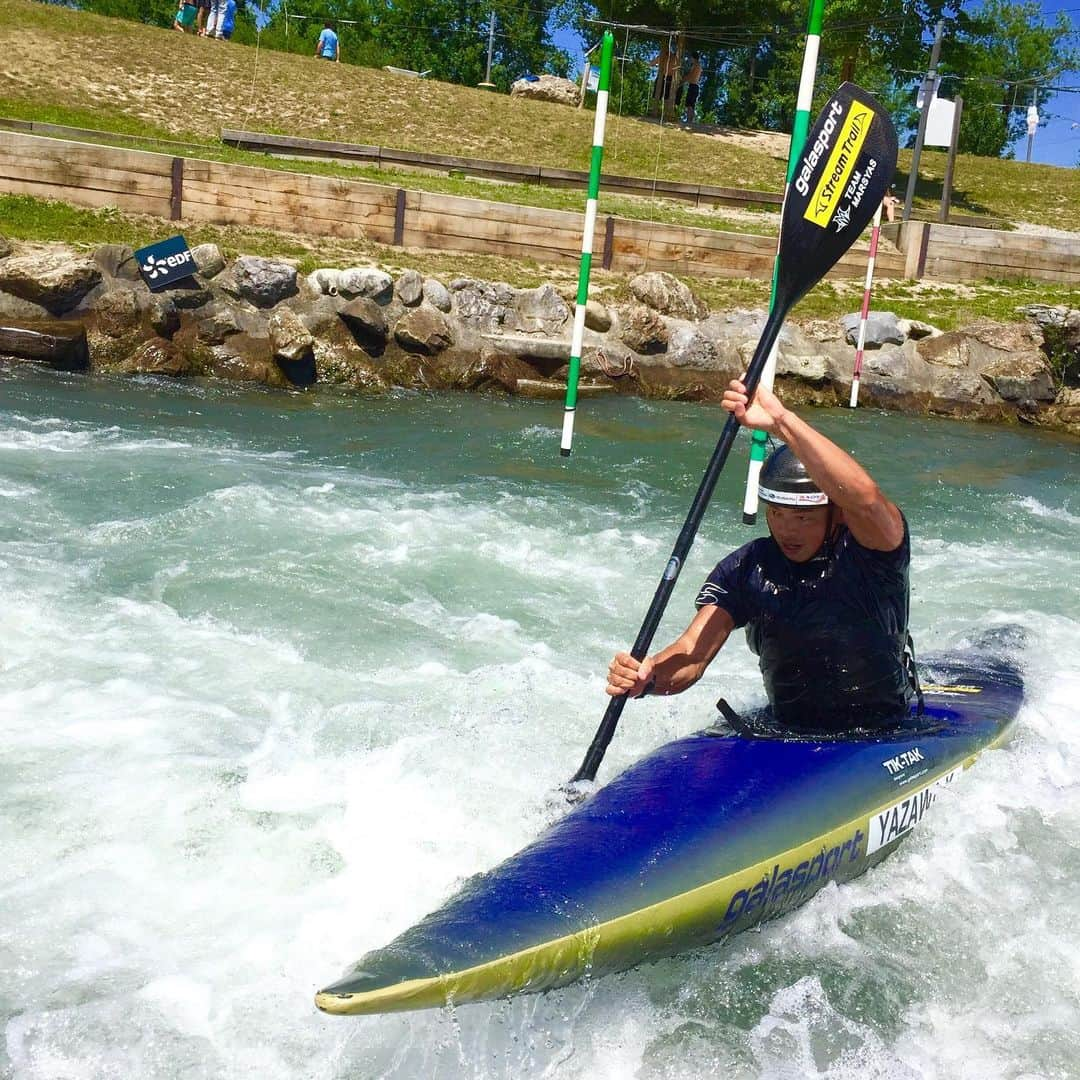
x=846 y=167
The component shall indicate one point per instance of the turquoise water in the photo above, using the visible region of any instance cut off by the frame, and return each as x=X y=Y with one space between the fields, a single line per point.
x=278 y=672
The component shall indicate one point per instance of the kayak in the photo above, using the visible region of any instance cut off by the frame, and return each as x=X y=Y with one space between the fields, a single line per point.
x=705 y=837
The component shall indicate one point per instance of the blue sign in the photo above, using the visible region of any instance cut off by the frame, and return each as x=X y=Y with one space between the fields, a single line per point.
x=166 y=263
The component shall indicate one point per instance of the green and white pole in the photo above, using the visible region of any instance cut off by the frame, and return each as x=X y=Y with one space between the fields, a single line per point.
x=798 y=140
x=606 y=52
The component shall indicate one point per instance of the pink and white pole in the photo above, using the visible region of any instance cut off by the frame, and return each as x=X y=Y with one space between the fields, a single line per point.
x=863 y=315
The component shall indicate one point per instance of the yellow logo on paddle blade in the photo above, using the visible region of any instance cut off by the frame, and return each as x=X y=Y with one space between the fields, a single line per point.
x=840 y=165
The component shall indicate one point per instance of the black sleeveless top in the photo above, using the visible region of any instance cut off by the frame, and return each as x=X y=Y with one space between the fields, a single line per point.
x=829 y=633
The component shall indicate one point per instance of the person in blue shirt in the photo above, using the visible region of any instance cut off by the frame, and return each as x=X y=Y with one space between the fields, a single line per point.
x=824 y=597
x=327 y=47
x=228 y=21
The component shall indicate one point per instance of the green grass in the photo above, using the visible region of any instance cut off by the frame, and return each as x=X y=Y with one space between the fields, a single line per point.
x=71 y=67
x=946 y=306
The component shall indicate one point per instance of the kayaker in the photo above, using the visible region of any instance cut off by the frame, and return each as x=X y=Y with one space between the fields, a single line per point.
x=824 y=598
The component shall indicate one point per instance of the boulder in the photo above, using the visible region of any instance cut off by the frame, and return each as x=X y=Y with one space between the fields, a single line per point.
x=916 y=330
x=262 y=282
x=668 y=295
x=208 y=260
x=116 y=313
x=59 y=345
x=642 y=329
x=365 y=281
x=410 y=288
x=117 y=261
x=946 y=350
x=824 y=330
x=157 y=357
x=810 y=368
x=487 y=305
x=1008 y=337
x=293 y=347
x=14 y=307
x=540 y=310
x=436 y=294
x=217 y=323
x=324 y=282
x=424 y=330
x=597 y=317
x=547 y=88
x=188 y=294
x=6 y=247
x=1020 y=377
x=367 y=324
x=882 y=328
x=160 y=312
x=689 y=348
x=56 y=280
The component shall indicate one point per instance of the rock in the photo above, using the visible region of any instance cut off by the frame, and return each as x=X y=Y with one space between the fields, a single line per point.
x=410 y=288
x=547 y=88
x=882 y=328
x=14 y=307
x=668 y=295
x=959 y=386
x=157 y=357
x=365 y=281
x=540 y=310
x=495 y=368
x=60 y=345
x=1020 y=377
x=1056 y=317
x=1068 y=397
x=160 y=313
x=1008 y=337
x=487 y=305
x=116 y=313
x=946 y=350
x=642 y=329
x=321 y=315
x=244 y=359
x=262 y=282
x=117 y=261
x=424 y=330
x=218 y=322
x=208 y=260
x=812 y=368
x=56 y=280
x=367 y=324
x=188 y=294
x=597 y=317
x=916 y=330
x=823 y=330
x=6 y=247
x=293 y=347
x=324 y=282
x=689 y=348
x=436 y=294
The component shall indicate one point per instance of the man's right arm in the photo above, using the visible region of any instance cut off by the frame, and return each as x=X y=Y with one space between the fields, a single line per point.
x=680 y=665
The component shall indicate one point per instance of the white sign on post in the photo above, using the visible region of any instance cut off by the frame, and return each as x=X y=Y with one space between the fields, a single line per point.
x=939 y=123
x=1032 y=119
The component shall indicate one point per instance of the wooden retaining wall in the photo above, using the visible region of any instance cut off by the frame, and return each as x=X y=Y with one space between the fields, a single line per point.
x=192 y=189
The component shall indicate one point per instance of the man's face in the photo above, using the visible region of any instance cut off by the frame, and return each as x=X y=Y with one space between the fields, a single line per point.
x=798 y=530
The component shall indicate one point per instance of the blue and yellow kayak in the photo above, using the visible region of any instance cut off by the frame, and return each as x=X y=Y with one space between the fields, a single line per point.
x=705 y=837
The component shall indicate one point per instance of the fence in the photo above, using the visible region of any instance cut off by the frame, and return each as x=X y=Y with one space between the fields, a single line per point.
x=193 y=189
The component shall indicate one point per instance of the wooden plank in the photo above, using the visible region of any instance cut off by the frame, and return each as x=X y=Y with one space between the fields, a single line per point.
x=450 y=163
x=209 y=197
x=286 y=222
x=533 y=238
x=106 y=157
x=270 y=184
x=484 y=246
x=985 y=240
x=511 y=213
x=399 y=217
x=321 y=147
x=706 y=238
x=45 y=170
x=176 y=192
x=80 y=196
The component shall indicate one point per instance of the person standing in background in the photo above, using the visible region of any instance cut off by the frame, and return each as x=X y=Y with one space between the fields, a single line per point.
x=213 y=22
x=228 y=20
x=692 y=85
x=328 y=47
x=202 y=12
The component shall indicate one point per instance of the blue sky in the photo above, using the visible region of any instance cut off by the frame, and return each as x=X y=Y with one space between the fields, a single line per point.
x=1057 y=142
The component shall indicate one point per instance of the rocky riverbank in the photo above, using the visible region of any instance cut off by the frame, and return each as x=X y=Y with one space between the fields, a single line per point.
x=257 y=320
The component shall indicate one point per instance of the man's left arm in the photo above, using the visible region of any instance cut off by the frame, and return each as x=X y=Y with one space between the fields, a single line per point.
x=874 y=521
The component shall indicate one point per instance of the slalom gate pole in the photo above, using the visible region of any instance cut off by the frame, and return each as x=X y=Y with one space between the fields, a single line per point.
x=865 y=312
x=606 y=53
x=759 y=442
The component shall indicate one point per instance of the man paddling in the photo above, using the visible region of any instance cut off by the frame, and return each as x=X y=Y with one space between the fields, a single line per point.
x=824 y=597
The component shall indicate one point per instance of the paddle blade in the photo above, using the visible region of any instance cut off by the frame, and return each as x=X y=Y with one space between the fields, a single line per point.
x=840 y=178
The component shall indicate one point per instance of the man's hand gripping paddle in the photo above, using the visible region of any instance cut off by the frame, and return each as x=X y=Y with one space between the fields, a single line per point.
x=846 y=167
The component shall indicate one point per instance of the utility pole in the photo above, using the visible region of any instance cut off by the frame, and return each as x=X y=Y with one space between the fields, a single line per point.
x=487 y=83
x=1032 y=121
x=928 y=93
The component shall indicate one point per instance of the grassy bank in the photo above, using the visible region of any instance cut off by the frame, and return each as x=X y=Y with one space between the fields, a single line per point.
x=72 y=67
x=946 y=306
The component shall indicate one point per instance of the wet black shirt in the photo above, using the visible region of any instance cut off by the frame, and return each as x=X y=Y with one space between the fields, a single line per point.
x=829 y=633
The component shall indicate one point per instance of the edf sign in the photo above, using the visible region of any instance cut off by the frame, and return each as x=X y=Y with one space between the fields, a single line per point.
x=165 y=263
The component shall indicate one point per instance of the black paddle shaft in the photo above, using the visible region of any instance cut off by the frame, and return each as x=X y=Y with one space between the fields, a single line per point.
x=843 y=173
x=682 y=547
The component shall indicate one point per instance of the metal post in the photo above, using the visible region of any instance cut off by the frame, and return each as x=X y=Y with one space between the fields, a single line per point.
x=491 y=48
x=950 y=161
x=928 y=93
